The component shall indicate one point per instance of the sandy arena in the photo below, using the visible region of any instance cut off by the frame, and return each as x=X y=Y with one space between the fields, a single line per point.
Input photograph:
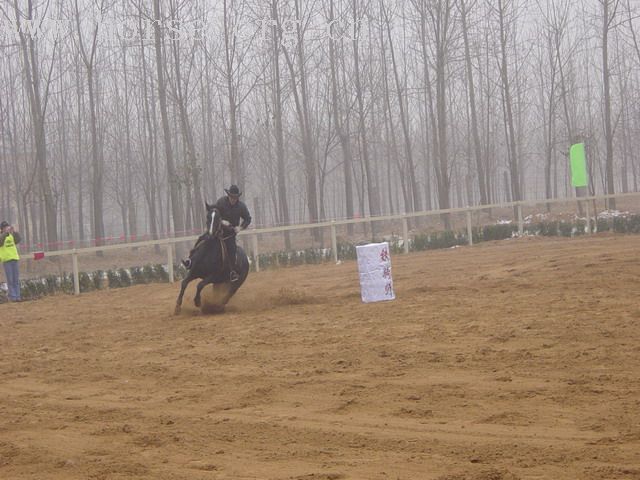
x=509 y=360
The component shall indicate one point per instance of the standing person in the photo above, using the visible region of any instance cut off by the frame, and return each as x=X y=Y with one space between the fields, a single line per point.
x=9 y=258
x=231 y=210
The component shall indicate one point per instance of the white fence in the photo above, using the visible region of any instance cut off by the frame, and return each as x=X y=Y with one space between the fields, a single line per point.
x=332 y=225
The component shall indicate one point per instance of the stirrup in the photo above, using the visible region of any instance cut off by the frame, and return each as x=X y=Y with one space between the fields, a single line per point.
x=233 y=276
x=187 y=263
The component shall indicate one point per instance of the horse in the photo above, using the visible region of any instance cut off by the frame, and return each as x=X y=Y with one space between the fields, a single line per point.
x=209 y=261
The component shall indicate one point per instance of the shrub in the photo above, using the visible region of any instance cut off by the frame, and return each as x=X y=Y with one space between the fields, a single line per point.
x=149 y=274
x=96 y=278
x=179 y=272
x=113 y=279
x=29 y=289
x=50 y=284
x=630 y=224
x=498 y=232
x=549 y=229
x=565 y=229
x=346 y=251
x=66 y=282
x=580 y=227
x=137 y=276
x=633 y=224
x=603 y=225
x=444 y=239
x=125 y=277
x=86 y=284
x=312 y=256
x=26 y=290
x=420 y=242
x=160 y=273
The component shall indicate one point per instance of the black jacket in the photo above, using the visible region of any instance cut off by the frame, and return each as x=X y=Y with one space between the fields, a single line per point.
x=233 y=213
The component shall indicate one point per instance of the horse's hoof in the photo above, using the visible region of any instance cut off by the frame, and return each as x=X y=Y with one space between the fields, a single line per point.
x=177 y=310
x=197 y=301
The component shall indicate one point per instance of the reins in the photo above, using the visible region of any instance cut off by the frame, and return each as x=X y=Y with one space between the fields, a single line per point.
x=218 y=234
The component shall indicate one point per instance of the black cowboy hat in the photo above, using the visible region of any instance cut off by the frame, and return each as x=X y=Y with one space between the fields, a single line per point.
x=233 y=190
x=4 y=224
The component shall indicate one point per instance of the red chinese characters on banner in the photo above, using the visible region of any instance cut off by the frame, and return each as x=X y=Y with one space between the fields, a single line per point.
x=386 y=272
x=384 y=255
x=388 y=289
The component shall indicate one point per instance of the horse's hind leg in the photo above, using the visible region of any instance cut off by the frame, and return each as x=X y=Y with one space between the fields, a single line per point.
x=185 y=282
x=197 y=301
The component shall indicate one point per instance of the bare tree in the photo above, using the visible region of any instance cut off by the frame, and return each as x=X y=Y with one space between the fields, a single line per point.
x=88 y=56
x=374 y=204
x=404 y=120
x=38 y=102
x=175 y=198
x=277 y=118
x=505 y=11
x=465 y=8
x=340 y=124
x=299 y=88
x=609 y=10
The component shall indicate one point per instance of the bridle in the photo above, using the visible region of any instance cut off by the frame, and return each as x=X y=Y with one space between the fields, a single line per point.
x=217 y=233
x=210 y=228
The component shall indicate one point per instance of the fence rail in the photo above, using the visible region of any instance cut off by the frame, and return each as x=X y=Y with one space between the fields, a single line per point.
x=332 y=225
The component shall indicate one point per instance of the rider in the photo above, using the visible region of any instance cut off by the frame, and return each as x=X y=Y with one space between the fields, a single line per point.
x=231 y=210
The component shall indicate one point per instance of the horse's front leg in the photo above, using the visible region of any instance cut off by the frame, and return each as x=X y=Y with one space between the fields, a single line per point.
x=199 y=288
x=184 y=284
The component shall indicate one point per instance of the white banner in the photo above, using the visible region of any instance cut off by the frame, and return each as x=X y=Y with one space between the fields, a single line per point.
x=374 y=266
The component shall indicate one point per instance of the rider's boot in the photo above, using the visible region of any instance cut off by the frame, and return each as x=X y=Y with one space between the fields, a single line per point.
x=233 y=276
x=187 y=261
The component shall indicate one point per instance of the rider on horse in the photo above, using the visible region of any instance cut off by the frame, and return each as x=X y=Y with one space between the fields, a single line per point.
x=231 y=210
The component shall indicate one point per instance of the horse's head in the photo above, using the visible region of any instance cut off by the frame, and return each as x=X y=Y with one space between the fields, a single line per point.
x=214 y=221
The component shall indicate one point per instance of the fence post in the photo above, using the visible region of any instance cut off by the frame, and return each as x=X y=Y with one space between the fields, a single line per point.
x=405 y=234
x=588 y=229
x=256 y=254
x=170 y=261
x=469 y=228
x=334 y=241
x=76 y=273
x=520 y=221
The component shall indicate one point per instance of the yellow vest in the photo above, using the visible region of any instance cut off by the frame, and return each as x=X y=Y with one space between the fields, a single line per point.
x=9 y=251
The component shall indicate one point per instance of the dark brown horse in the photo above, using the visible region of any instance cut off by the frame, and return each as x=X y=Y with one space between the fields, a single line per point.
x=209 y=261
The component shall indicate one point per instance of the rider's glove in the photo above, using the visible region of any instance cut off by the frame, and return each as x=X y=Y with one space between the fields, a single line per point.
x=237 y=229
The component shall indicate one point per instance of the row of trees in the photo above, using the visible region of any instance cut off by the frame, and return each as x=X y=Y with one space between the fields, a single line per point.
x=124 y=116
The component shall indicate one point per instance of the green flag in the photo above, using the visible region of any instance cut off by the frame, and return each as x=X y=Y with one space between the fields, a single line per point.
x=578 y=166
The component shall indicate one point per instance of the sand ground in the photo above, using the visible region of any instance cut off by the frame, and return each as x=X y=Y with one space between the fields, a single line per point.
x=517 y=359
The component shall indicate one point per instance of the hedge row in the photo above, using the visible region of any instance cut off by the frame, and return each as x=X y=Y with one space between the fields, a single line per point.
x=448 y=239
x=122 y=277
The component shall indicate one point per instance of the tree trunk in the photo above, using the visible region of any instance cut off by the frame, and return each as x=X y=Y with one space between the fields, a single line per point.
x=340 y=130
x=607 y=18
x=508 y=107
x=477 y=149
x=174 y=183
x=416 y=204
x=277 y=107
x=37 y=106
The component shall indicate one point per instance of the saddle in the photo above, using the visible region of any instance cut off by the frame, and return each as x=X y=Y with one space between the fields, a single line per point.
x=225 y=255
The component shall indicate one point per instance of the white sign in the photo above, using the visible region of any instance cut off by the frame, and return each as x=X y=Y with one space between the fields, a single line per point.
x=374 y=266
